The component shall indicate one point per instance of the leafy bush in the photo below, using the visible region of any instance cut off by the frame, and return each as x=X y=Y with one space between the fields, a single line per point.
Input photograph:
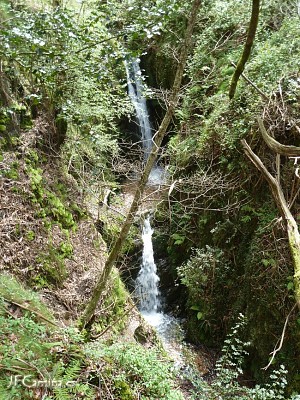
x=229 y=369
x=206 y=269
x=130 y=370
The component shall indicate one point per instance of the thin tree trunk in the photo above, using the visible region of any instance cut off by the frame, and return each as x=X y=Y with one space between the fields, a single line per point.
x=247 y=48
x=113 y=255
x=292 y=228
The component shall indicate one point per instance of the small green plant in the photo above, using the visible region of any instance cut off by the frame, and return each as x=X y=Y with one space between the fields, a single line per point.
x=36 y=179
x=32 y=157
x=30 y=235
x=229 y=368
x=132 y=370
x=51 y=205
x=12 y=172
x=52 y=269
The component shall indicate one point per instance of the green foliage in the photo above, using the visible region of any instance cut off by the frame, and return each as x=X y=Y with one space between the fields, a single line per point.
x=12 y=172
x=229 y=369
x=130 y=369
x=70 y=67
x=90 y=150
x=31 y=351
x=51 y=265
x=178 y=239
x=11 y=289
x=229 y=365
x=68 y=367
x=277 y=55
x=51 y=205
x=201 y=274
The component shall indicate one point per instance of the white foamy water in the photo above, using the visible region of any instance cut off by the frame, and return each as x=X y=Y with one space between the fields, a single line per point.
x=147 y=280
x=157 y=176
x=147 y=291
x=135 y=90
x=170 y=333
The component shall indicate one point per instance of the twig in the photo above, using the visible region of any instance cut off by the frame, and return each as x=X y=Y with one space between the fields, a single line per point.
x=294 y=199
x=32 y=311
x=94 y=44
x=31 y=366
x=278 y=167
x=13 y=368
x=106 y=387
x=275 y=351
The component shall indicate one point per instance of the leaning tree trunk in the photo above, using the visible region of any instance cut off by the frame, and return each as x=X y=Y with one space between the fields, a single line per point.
x=113 y=255
x=292 y=228
x=247 y=48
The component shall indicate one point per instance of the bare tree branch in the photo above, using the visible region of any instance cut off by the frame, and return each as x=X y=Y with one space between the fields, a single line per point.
x=276 y=350
x=292 y=227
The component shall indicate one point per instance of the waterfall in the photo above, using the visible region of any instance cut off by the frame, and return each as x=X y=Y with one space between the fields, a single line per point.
x=135 y=90
x=146 y=284
x=147 y=280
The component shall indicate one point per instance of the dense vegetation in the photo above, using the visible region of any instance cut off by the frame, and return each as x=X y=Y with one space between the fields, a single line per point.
x=66 y=142
x=222 y=214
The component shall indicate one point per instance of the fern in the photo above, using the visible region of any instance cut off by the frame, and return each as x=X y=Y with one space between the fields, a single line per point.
x=69 y=376
x=67 y=393
x=62 y=394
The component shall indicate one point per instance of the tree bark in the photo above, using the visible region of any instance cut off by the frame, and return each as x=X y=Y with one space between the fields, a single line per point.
x=158 y=137
x=292 y=228
x=247 y=48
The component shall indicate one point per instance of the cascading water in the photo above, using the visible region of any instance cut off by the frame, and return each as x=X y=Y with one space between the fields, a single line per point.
x=147 y=280
x=147 y=292
x=136 y=89
x=146 y=285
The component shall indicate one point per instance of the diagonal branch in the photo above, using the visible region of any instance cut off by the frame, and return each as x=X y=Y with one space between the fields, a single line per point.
x=277 y=349
x=247 y=48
